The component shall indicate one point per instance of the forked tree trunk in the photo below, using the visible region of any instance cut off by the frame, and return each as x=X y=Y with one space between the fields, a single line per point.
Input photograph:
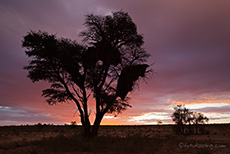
x=96 y=125
x=90 y=132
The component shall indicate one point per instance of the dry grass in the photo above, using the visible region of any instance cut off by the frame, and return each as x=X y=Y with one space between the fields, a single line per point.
x=113 y=139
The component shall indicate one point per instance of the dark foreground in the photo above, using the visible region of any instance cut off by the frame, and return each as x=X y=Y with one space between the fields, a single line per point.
x=113 y=139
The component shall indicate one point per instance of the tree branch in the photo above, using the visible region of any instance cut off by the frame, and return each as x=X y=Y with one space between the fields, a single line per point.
x=73 y=98
x=78 y=95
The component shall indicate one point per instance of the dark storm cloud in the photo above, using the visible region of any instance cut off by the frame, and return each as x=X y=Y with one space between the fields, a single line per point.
x=188 y=41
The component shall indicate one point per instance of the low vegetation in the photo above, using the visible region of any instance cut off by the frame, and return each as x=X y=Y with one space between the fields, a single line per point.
x=40 y=139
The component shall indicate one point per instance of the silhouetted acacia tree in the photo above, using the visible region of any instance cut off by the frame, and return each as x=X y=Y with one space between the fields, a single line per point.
x=181 y=116
x=199 y=118
x=108 y=66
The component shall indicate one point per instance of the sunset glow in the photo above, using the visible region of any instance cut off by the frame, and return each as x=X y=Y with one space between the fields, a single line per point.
x=188 y=42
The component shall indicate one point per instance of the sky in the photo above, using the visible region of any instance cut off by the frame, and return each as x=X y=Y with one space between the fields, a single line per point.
x=189 y=43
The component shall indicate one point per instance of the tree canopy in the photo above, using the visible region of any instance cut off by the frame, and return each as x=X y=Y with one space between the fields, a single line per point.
x=106 y=67
x=182 y=115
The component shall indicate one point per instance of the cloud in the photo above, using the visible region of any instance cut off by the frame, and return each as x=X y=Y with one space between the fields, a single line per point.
x=109 y=117
x=148 y=112
x=188 y=41
x=149 y=118
x=216 y=109
x=215 y=117
x=10 y=115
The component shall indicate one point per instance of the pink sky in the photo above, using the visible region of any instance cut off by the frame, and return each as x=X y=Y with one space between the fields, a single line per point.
x=188 y=42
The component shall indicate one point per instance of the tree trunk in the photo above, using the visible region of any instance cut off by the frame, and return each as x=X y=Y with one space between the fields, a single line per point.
x=86 y=129
x=96 y=124
x=189 y=128
x=196 y=128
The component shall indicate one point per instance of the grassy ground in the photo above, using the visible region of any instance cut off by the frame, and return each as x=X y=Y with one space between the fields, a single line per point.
x=113 y=139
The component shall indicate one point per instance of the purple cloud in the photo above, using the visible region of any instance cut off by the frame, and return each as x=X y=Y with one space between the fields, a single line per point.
x=188 y=41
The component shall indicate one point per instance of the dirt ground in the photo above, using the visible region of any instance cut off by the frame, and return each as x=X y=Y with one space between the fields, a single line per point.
x=114 y=139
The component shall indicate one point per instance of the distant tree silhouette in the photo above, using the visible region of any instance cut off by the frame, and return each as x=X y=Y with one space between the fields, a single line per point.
x=108 y=66
x=199 y=118
x=73 y=123
x=159 y=122
x=181 y=116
